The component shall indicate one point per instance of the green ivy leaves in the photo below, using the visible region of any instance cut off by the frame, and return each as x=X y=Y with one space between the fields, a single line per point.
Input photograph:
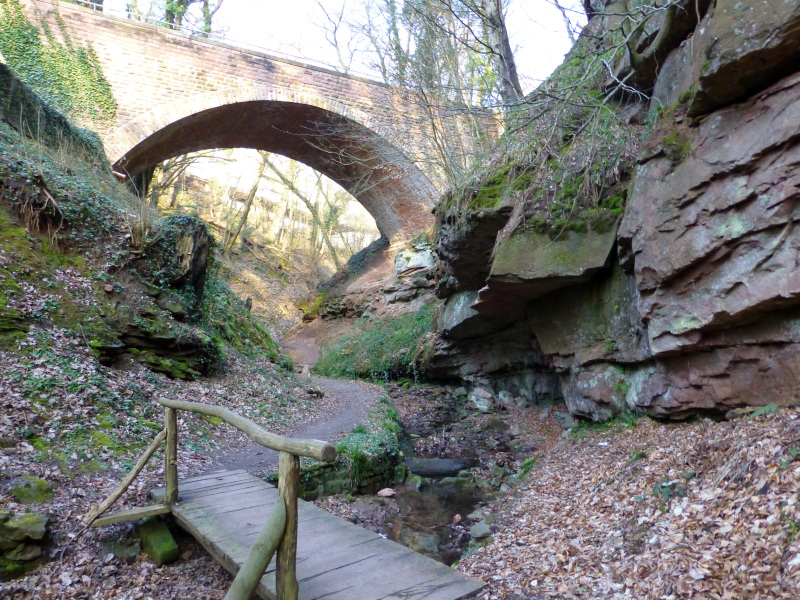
x=66 y=75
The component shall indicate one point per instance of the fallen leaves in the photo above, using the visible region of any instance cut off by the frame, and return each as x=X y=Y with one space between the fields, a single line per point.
x=81 y=425
x=589 y=525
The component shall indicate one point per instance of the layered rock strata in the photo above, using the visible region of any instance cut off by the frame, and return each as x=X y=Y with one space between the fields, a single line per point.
x=692 y=305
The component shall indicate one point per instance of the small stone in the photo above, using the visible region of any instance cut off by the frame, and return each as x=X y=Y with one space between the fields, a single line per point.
x=173 y=305
x=128 y=550
x=386 y=493
x=481 y=403
x=157 y=541
x=460 y=392
x=481 y=529
x=108 y=288
x=505 y=397
x=566 y=420
x=482 y=393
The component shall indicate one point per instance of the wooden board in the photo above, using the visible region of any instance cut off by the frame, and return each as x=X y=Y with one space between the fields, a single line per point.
x=132 y=515
x=336 y=560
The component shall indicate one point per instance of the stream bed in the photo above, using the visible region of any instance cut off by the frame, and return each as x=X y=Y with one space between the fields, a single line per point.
x=434 y=519
x=458 y=461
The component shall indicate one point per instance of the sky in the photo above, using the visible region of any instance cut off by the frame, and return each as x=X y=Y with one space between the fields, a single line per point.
x=537 y=30
x=536 y=27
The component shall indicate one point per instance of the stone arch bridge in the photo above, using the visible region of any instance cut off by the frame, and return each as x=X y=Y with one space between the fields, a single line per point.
x=177 y=93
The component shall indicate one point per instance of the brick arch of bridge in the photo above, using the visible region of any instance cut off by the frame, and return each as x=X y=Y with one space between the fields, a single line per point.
x=177 y=92
x=325 y=134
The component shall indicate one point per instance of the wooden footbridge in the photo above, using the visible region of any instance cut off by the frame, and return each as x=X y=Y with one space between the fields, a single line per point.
x=244 y=522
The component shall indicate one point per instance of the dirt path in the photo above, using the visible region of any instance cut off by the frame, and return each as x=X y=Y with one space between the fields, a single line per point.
x=346 y=404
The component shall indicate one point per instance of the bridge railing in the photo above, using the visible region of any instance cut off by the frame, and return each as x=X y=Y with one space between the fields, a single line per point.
x=217 y=37
x=279 y=532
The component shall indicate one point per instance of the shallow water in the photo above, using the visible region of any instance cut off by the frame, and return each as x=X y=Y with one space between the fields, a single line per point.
x=426 y=520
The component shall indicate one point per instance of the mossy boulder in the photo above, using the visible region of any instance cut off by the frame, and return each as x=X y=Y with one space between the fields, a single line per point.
x=11 y=569
x=30 y=526
x=178 y=256
x=157 y=541
x=176 y=369
x=32 y=490
x=529 y=265
x=21 y=541
x=174 y=305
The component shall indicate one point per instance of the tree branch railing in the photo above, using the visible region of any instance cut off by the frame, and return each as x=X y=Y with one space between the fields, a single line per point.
x=279 y=532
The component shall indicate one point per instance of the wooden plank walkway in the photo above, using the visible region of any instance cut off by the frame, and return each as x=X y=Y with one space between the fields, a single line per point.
x=336 y=560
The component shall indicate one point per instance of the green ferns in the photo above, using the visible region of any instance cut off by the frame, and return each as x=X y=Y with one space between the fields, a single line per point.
x=381 y=350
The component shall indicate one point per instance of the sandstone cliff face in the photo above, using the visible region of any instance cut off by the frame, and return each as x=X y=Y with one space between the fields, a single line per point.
x=694 y=305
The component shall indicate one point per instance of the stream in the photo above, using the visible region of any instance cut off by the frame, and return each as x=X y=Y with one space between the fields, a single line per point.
x=433 y=520
x=459 y=461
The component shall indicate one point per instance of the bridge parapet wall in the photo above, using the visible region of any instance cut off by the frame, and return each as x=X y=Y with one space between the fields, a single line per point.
x=177 y=93
x=149 y=66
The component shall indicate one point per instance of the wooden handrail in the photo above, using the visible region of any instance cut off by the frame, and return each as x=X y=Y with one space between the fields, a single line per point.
x=115 y=495
x=279 y=533
x=267 y=542
x=312 y=448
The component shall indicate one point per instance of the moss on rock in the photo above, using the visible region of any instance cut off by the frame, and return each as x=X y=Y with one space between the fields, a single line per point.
x=157 y=541
x=32 y=490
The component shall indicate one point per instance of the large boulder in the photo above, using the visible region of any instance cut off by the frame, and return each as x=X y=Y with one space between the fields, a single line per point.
x=529 y=265
x=591 y=323
x=464 y=244
x=459 y=320
x=506 y=361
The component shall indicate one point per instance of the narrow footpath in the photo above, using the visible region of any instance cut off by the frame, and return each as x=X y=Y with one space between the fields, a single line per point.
x=345 y=405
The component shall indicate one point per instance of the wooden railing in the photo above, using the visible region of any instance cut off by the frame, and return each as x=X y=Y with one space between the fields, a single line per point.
x=279 y=532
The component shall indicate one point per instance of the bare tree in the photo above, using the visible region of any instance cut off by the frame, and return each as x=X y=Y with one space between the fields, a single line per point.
x=337 y=34
x=248 y=203
x=318 y=222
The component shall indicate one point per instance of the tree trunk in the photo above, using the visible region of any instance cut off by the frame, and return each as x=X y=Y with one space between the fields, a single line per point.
x=497 y=36
x=248 y=203
x=313 y=209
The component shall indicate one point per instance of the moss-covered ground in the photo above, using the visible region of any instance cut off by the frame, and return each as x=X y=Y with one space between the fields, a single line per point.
x=383 y=349
x=566 y=159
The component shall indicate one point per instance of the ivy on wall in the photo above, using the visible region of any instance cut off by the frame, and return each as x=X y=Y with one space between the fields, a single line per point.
x=65 y=75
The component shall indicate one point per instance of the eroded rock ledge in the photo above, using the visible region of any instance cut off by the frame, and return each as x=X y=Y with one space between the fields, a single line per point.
x=691 y=305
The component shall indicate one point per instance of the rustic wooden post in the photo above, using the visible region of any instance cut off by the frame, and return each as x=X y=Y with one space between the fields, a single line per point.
x=285 y=572
x=171 y=454
x=108 y=502
x=252 y=570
